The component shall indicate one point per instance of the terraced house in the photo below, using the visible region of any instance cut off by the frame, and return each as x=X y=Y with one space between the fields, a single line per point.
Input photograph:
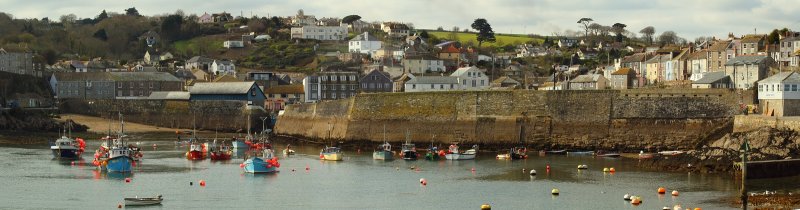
x=112 y=85
x=330 y=86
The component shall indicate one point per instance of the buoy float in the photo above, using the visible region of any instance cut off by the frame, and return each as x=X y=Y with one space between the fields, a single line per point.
x=665 y=208
x=554 y=191
x=307 y=168
x=486 y=206
x=523 y=170
x=119 y=205
x=583 y=166
x=202 y=183
x=626 y=197
x=636 y=200
x=292 y=170
x=127 y=180
x=423 y=181
x=548 y=167
x=677 y=207
x=612 y=170
x=473 y=169
x=72 y=163
x=698 y=209
x=675 y=193
x=606 y=170
x=661 y=190
x=533 y=172
x=241 y=165
x=321 y=156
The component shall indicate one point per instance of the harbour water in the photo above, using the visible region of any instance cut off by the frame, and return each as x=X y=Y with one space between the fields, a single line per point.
x=31 y=179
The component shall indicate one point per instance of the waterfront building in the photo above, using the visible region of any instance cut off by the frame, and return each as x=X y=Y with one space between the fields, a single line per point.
x=779 y=95
x=746 y=70
x=624 y=78
x=431 y=83
x=376 y=81
x=112 y=85
x=717 y=79
x=789 y=48
x=20 y=62
x=470 y=78
x=139 y=85
x=589 y=82
x=228 y=91
x=279 y=96
x=330 y=86
x=422 y=64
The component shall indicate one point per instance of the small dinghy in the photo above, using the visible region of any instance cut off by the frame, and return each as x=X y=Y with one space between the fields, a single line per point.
x=137 y=201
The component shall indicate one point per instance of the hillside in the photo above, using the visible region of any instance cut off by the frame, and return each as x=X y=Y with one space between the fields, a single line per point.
x=502 y=39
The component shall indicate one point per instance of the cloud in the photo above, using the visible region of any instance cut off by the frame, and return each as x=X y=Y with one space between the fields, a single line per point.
x=688 y=18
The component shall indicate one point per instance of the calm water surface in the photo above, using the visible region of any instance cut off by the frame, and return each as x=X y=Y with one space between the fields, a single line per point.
x=30 y=179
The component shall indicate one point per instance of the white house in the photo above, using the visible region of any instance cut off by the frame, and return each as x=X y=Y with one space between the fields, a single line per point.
x=222 y=67
x=422 y=64
x=431 y=83
x=395 y=29
x=205 y=18
x=364 y=43
x=320 y=32
x=233 y=44
x=779 y=95
x=471 y=78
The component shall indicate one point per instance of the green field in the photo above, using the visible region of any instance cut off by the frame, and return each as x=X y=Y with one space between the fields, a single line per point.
x=502 y=39
x=199 y=45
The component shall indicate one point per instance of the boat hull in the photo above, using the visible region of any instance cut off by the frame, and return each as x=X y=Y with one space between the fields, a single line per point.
x=409 y=155
x=332 y=156
x=221 y=155
x=142 y=201
x=66 y=153
x=382 y=155
x=287 y=152
x=454 y=156
x=239 y=145
x=431 y=156
x=257 y=165
x=195 y=155
x=119 y=164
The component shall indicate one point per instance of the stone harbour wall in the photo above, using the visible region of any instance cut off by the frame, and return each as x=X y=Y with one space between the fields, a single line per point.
x=620 y=119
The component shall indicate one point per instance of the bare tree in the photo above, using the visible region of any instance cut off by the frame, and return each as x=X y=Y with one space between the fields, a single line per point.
x=648 y=32
x=585 y=24
x=669 y=37
x=594 y=28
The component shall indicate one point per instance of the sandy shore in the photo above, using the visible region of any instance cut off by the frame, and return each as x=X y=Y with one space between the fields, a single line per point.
x=100 y=125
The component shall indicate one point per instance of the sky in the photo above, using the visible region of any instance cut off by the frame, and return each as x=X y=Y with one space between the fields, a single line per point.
x=688 y=18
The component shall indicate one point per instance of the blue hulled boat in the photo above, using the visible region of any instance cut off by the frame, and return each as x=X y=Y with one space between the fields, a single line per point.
x=114 y=155
x=258 y=165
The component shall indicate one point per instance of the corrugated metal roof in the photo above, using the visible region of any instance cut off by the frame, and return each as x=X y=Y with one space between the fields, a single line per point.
x=223 y=88
x=169 y=95
x=433 y=80
x=143 y=76
x=711 y=77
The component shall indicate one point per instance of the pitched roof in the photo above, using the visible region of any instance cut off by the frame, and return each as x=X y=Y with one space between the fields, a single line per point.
x=719 y=46
x=450 y=49
x=85 y=76
x=433 y=80
x=752 y=38
x=638 y=57
x=711 y=77
x=505 y=79
x=365 y=37
x=702 y=54
x=750 y=59
x=169 y=95
x=222 y=88
x=226 y=78
x=787 y=76
x=463 y=70
x=622 y=71
x=199 y=59
x=77 y=64
x=659 y=58
x=586 y=78
x=143 y=76
x=287 y=89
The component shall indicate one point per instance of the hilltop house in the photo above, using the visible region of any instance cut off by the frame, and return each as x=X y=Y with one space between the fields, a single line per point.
x=323 y=33
x=205 y=18
x=233 y=44
x=779 y=95
x=364 y=43
x=567 y=43
x=199 y=62
x=222 y=67
x=395 y=29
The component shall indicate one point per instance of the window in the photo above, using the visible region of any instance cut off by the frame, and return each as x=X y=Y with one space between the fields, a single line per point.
x=474 y=83
x=451 y=86
x=794 y=87
x=352 y=78
x=464 y=82
x=441 y=86
x=324 y=87
x=324 y=78
x=333 y=95
x=482 y=82
x=353 y=87
x=364 y=85
x=343 y=78
x=313 y=87
x=333 y=87
x=413 y=86
x=786 y=87
x=333 y=78
x=344 y=87
x=380 y=85
x=431 y=86
x=119 y=85
x=253 y=92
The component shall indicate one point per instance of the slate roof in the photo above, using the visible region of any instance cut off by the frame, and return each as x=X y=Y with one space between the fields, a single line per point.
x=463 y=70
x=586 y=78
x=506 y=80
x=85 y=76
x=199 y=59
x=783 y=77
x=719 y=46
x=638 y=57
x=754 y=59
x=433 y=80
x=222 y=88
x=711 y=77
x=362 y=37
x=77 y=64
x=169 y=95
x=143 y=76
x=659 y=58
x=752 y=38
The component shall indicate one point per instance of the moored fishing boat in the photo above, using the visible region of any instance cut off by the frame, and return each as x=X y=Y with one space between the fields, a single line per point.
x=454 y=154
x=518 y=153
x=383 y=152
x=556 y=152
x=288 y=150
x=137 y=201
x=607 y=154
x=114 y=155
x=409 y=151
x=671 y=153
x=67 y=148
x=265 y=164
x=331 y=153
x=196 y=151
x=220 y=151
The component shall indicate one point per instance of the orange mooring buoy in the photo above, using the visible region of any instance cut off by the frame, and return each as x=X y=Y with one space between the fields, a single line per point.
x=661 y=190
